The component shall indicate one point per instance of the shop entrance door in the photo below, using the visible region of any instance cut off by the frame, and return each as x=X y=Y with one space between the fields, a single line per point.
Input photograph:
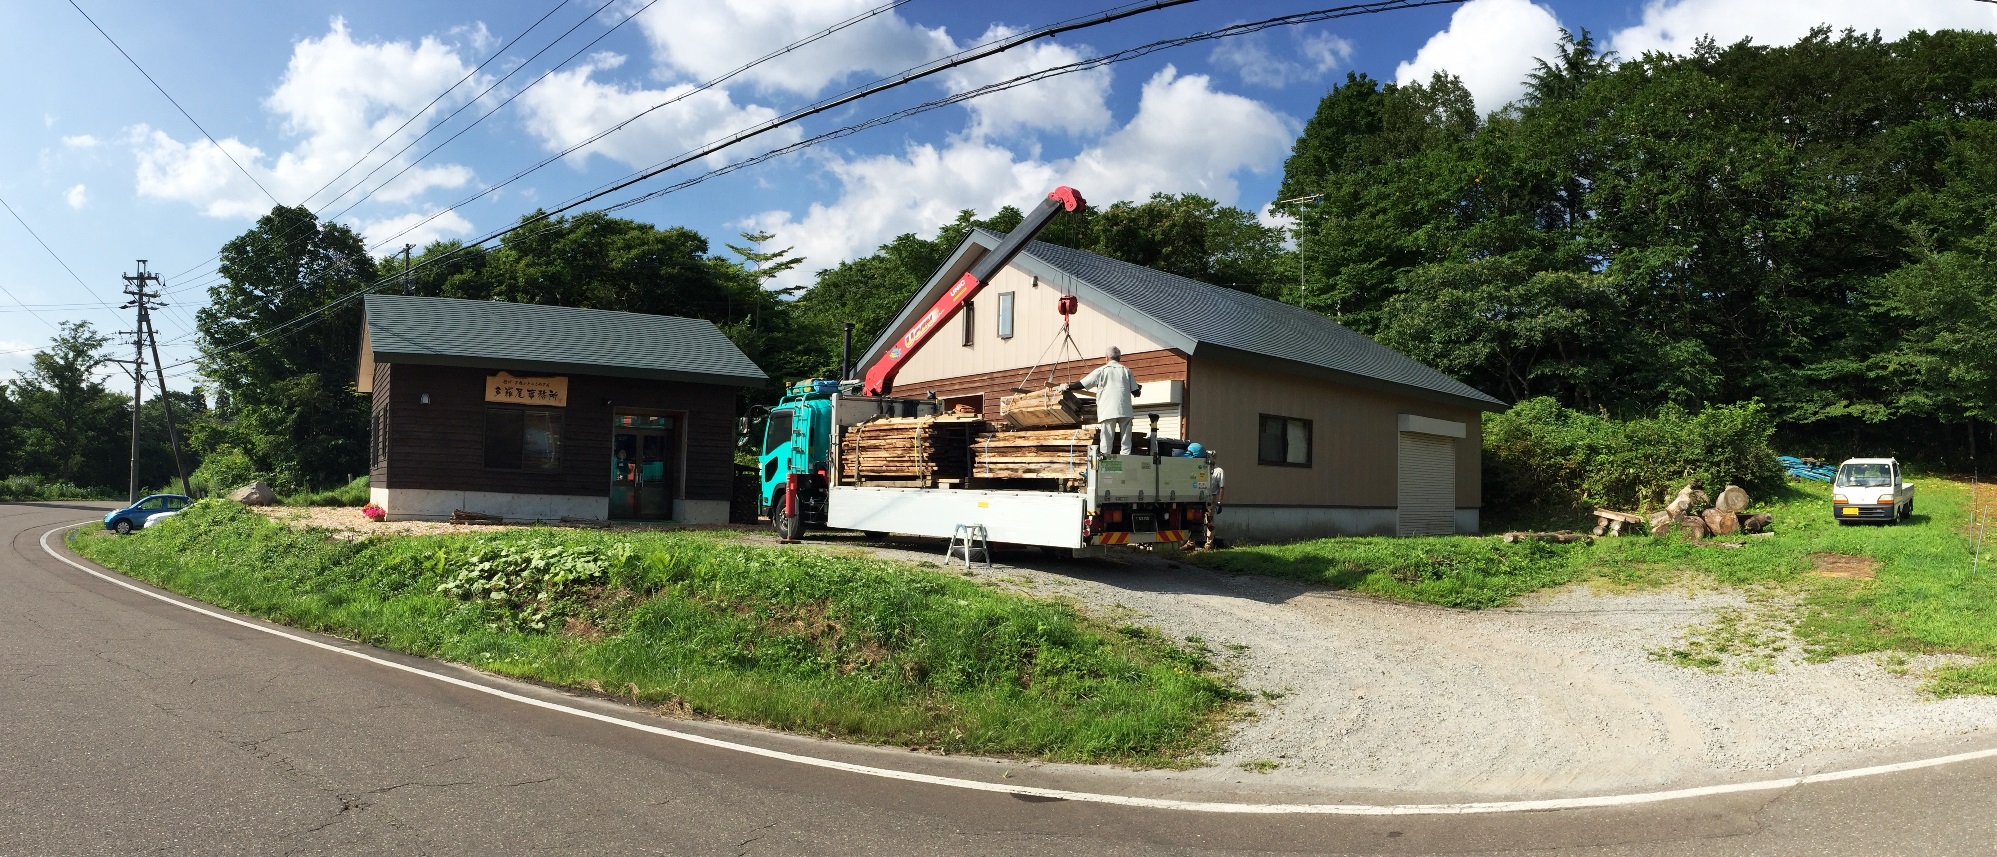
x=644 y=466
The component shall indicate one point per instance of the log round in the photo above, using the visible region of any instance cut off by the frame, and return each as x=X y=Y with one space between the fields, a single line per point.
x=1731 y=500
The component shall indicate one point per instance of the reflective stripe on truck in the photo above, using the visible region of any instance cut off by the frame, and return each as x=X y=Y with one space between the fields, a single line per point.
x=1160 y=537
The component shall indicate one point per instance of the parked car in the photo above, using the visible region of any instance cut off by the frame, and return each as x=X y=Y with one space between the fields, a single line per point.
x=1871 y=489
x=157 y=517
x=133 y=517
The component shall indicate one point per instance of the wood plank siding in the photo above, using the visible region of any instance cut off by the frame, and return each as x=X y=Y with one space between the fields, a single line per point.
x=1146 y=366
x=441 y=445
x=1355 y=437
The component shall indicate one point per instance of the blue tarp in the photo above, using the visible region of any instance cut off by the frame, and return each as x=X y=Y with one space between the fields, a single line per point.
x=1800 y=470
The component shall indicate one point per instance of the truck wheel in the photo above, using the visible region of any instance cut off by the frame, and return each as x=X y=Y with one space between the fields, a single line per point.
x=788 y=528
x=124 y=526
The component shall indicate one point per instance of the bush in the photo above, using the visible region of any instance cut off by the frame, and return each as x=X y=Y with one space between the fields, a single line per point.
x=1541 y=458
x=222 y=471
x=19 y=488
x=354 y=493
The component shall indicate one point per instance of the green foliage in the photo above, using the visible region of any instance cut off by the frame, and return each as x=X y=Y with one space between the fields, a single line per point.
x=1541 y=458
x=1453 y=572
x=353 y=493
x=15 y=489
x=223 y=470
x=295 y=412
x=1807 y=225
x=68 y=427
x=525 y=585
x=797 y=639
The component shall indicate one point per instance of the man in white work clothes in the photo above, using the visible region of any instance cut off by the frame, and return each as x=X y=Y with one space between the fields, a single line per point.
x=1113 y=386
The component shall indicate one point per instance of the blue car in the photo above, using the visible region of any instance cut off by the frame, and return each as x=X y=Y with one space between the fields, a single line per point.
x=133 y=517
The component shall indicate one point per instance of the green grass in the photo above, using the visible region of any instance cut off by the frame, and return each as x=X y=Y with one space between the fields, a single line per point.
x=15 y=489
x=843 y=646
x=354 y=493
x=1924 y=599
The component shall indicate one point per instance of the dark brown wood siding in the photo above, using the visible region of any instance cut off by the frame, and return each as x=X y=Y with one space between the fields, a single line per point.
x=441 y=445
x=1166 y=365
x=377 y=420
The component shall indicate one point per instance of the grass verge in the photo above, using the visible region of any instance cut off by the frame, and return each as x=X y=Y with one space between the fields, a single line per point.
x=855 y=648
x=1922 y=598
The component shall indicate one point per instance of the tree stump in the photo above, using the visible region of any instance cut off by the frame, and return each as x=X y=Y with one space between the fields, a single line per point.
x=1731 y=500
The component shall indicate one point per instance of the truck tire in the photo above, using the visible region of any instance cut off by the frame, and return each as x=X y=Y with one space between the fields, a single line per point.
x=788 y=528
x=1910 y=510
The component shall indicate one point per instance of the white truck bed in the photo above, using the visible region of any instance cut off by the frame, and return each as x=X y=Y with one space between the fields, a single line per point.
x=1049 y=518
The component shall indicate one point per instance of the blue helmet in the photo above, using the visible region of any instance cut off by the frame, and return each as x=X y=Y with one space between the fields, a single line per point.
x=1195 y=450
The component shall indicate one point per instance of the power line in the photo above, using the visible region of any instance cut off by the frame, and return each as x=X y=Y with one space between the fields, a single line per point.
x=1354 y=10
x=58 y=260
x=176 y=104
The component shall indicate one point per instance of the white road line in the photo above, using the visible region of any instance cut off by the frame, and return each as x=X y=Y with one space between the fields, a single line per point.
x=1062 y=794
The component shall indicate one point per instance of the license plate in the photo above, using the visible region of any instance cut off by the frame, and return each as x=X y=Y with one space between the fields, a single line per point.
x=1848 y=512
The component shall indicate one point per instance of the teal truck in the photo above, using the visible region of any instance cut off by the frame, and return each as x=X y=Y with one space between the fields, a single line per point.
x=1158 y=497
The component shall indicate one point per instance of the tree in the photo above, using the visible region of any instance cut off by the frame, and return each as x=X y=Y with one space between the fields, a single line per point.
x=1194 y=237
x=292 y=383
x=71 y=428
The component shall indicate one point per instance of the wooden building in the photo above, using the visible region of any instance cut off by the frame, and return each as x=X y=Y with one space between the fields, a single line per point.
x=544 y=412
x=1321 y=431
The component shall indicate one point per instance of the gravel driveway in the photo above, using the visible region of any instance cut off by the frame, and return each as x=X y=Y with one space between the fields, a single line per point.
x=1557 y=695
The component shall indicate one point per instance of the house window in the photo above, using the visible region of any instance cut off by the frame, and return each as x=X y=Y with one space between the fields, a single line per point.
x=1005 y=315
x=523 y=438
x=1284 y=442
x=970 y=321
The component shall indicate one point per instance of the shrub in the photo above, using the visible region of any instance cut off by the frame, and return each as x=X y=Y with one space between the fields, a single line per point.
x=354 y=493
x=1540 y=457
x=19 y=488
x=222 y=471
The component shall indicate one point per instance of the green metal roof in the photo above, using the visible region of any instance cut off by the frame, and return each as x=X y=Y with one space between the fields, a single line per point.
x=536 y=338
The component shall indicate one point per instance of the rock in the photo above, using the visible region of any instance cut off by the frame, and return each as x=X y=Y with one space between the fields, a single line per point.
x=255 y=494
x=1756 y=523
x=1732 y=499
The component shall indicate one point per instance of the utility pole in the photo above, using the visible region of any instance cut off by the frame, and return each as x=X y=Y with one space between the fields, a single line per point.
x=1303 y=288
x=144 y=300
x=408 y=287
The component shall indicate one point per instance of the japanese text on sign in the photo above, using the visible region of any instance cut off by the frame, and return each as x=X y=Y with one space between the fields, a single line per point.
x=505 y=387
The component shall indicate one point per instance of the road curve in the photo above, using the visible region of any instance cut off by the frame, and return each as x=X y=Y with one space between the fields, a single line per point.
x=135 y=726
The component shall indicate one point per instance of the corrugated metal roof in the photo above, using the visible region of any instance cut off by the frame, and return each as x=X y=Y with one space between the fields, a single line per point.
x=532 y=337
x=1213 y=315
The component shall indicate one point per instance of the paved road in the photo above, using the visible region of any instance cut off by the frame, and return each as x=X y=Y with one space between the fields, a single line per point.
x=136 y=727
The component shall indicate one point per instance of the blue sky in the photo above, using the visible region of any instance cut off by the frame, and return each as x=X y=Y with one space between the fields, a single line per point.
x=106 y=171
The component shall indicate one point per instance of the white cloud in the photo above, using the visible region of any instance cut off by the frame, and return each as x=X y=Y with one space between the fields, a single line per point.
x=569 y=107
x=447 y=225
x=709 y=38
x=81 y=141
x=1256 y=61
x=1673 y=25
x=338 y=96
x=1491 y=45
x=77 y=197
x=1075 y=103
x=1185 y=138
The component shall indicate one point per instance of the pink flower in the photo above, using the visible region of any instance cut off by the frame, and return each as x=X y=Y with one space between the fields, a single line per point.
x=374 y=512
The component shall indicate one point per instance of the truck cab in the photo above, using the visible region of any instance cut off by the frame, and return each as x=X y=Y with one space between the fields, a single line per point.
x=1871 y=489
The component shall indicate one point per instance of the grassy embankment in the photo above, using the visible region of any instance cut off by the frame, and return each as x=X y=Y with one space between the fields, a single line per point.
x=860 y=649
x=1922 y=599
x=27 y=489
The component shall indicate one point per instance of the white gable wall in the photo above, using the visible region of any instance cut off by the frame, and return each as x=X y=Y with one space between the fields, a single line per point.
x=1036 y=323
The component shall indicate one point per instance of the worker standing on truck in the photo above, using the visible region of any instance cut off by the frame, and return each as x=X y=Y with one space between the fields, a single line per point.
x=1219 y=483
x=1113 y=385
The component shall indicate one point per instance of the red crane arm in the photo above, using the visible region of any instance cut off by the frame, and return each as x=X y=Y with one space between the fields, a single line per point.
x=880 y=376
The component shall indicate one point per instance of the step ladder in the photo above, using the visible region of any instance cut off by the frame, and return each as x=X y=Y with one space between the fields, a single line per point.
x=969 y=539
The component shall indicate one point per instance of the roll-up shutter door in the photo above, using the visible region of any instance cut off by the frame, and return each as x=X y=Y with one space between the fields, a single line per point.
x=1427 y=485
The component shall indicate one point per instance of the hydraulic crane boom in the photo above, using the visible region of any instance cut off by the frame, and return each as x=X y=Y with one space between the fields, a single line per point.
x=880 y=376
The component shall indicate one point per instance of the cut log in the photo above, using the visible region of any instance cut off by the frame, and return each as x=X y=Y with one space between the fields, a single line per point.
x=1051 y=407
x=1660 y=523
x=460 y=516
x=1560 y=537
x=1731 y=500
x=1756 y=523
x=1694 y=526
x=1720 y=523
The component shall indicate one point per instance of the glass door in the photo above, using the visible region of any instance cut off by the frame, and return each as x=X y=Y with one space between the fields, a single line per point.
x=644 y=466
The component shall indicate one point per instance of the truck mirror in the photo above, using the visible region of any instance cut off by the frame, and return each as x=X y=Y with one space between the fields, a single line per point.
x=741 y=427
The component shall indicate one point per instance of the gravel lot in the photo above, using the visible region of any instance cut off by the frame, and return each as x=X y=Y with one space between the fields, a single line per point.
x=1560 y=695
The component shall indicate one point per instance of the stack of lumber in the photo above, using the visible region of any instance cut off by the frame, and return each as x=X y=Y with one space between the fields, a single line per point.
x=1053 y=406
x=1058 y=453
x=906 y=450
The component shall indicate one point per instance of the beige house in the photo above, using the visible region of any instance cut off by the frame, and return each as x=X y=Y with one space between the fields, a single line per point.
x=1322 y=431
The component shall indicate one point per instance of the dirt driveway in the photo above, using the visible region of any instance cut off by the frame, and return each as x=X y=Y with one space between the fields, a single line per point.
x=1560 y=695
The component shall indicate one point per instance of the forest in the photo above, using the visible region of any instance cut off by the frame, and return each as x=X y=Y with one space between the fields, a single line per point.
x=1809 y=228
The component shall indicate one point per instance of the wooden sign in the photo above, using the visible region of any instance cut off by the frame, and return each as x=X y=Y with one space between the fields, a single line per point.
x=504 y=387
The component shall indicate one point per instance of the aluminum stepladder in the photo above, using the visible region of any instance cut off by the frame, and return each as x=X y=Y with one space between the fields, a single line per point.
x=967 y=539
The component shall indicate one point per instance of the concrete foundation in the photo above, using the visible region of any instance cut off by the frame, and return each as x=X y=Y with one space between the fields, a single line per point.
x=701 y=511
x=425 y=504
x=1302 y=523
